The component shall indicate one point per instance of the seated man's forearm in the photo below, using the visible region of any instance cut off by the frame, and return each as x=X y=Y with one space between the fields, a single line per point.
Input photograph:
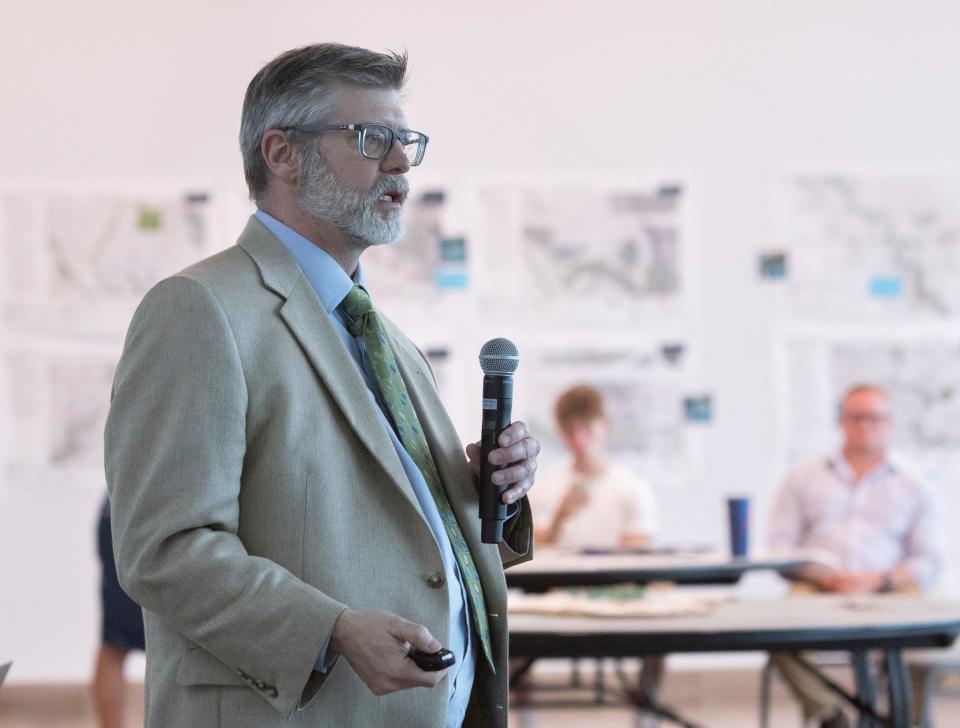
x=634 y=540
x=901 y=578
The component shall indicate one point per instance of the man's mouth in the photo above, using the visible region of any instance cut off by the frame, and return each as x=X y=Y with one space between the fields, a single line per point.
x=393 y=197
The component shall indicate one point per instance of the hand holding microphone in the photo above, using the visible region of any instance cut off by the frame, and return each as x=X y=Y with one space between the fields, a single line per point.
x=505 y=459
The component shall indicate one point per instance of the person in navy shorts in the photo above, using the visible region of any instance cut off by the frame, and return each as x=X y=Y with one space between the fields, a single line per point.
x=122 y=631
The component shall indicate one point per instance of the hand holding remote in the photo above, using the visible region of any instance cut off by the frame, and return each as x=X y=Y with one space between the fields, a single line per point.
x=377 y=646
x=433 y=661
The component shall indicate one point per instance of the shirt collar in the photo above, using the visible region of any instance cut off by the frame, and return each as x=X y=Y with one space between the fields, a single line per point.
x=328 y=279
x=838 y=463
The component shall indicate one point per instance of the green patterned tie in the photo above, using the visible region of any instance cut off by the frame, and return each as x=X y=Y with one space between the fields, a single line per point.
x=362 y=320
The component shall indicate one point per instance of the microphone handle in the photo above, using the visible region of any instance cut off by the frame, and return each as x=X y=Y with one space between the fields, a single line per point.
x=497 y=403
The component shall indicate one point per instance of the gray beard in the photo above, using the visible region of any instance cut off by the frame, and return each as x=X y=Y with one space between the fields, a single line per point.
x=351 y=211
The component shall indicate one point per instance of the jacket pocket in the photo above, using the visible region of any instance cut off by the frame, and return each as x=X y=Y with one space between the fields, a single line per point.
x=199 y=667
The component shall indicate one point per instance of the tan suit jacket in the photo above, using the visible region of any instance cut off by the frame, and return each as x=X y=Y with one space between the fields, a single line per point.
x=255 y=494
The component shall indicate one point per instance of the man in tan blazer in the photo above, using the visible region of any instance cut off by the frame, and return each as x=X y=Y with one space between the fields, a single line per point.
x=265 y=512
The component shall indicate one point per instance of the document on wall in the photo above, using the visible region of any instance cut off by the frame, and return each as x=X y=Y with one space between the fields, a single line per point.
x=75 y=260
x=55 y=411
x=582 y=253
x=78 y=259
x=880 y=246
x=643 y=386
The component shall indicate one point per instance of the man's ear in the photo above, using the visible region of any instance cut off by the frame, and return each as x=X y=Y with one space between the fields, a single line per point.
x=280 y=156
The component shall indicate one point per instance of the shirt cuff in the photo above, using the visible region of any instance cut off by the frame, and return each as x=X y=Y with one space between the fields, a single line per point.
x=326 y=658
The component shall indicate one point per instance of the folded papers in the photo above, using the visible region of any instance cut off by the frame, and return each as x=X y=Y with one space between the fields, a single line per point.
x=625 y=602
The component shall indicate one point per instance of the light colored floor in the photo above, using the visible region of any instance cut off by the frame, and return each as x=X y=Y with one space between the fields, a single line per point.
x=709 y=698
x=714 y=699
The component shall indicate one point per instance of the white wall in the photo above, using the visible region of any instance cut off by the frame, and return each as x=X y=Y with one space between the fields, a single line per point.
x=728 y=91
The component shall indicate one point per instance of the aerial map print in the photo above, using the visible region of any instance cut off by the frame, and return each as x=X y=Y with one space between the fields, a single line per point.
x=82 y=260
x=59 y=402
x=74 y=263
x=584 y=254
x=643 y=388
x=871 y=247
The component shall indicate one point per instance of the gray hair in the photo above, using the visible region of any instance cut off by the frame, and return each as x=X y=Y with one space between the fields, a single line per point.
x=297 y=89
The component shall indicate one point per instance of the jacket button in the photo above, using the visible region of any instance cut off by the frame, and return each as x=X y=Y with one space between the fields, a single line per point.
x=436 y=580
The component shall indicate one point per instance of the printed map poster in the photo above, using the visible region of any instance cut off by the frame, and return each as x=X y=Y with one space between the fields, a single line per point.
x=871 y=247
x=584 y=254
x=921 y=372
x=644 y=387
x=79 y=260
x=55 y=409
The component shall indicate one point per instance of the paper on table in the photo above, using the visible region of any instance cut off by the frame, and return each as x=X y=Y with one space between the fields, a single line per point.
x=654 y=603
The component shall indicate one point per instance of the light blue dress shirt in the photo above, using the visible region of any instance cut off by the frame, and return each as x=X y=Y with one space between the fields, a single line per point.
x=332 y=284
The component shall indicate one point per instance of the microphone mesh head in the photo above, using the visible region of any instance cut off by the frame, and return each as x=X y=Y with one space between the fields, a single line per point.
x=499 y=356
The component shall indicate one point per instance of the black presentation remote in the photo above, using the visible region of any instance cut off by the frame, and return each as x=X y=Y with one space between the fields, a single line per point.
x=432 y=661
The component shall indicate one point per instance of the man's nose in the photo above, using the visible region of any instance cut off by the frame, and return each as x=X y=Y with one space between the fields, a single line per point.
x=396 y=161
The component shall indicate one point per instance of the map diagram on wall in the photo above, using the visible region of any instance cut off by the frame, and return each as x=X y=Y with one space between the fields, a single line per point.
x=583 y=254
x=872 y=247
x=83 y=260
x=922 y=376
x=430 y=260
x=643 y=389
x=58 y=402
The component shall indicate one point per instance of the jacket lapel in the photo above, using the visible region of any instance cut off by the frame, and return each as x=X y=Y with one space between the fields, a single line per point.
x=311 y=326
x=458 y=480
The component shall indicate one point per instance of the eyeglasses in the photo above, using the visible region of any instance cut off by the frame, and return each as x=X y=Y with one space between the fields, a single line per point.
x=868 y=418
x=376 y=140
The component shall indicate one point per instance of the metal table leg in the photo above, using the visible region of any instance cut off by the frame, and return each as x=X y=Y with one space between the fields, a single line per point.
x=518 y=672
x=865 y=710
x=866 y=686
x=644 y=698
x=899 y=689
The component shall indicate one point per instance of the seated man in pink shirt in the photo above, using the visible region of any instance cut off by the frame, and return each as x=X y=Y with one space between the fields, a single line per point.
x=875 y=520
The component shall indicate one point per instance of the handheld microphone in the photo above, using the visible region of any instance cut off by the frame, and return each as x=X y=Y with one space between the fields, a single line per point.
x=499 y=359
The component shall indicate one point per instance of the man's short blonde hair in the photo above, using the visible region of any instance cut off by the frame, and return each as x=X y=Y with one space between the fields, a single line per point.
x=581 y=402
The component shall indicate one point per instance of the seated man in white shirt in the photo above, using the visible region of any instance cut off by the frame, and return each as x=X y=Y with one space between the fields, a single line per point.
x=874 y=519
x=591 y=500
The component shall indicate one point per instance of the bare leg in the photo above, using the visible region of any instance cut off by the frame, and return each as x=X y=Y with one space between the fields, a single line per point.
x=109 y=686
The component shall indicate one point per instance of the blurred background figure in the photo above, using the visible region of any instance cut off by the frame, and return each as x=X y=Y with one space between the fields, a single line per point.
x=591 y=500
x=122 y=631
x=873 y=520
